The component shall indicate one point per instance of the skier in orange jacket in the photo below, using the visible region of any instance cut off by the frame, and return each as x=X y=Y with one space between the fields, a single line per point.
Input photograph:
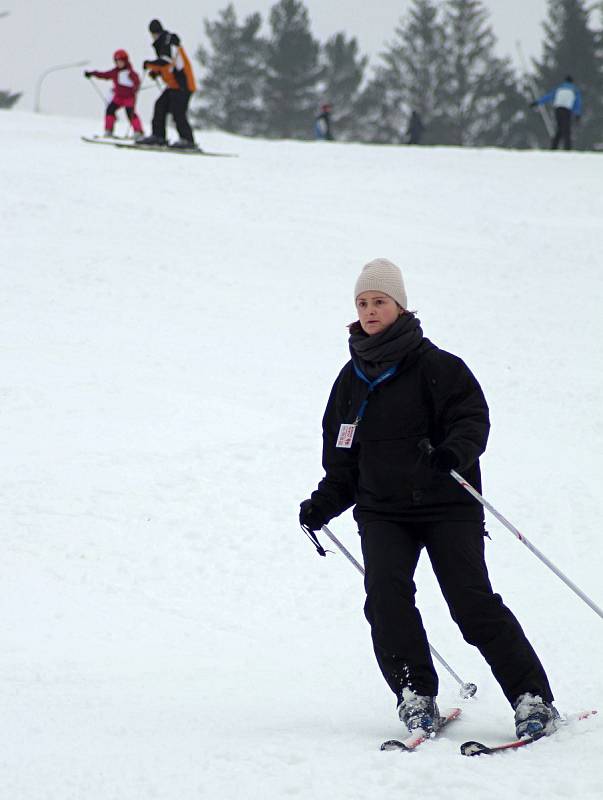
x=174 y=67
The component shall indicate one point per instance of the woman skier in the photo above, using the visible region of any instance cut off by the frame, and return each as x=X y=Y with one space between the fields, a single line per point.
x=398 y=390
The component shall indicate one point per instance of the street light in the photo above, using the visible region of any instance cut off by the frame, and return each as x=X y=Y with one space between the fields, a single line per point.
x=47 y=72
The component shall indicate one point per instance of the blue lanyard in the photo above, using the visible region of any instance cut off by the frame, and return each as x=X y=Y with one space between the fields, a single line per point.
x=389 y=373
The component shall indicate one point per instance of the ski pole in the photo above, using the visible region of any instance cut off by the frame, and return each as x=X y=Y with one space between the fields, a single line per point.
x=467 y=689
x=98 y=91
x=426 y=446
x=543 y=111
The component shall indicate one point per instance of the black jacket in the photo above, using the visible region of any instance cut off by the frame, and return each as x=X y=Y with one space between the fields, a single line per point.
x=384 y=473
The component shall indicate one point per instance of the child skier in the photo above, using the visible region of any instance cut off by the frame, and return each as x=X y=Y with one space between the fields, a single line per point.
x=125 y=86
x=322 y=123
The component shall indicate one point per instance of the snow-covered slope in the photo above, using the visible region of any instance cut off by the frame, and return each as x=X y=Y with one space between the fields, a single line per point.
x=170 y=330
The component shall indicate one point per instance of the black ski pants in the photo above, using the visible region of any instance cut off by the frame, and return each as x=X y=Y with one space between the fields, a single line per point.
x=564 y=129
x=174 y=102
x=456 y=549
x=113 y=108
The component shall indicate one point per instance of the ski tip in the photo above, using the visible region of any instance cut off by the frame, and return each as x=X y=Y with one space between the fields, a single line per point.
x=587 y=714
x=393 y=744
x=474 y=749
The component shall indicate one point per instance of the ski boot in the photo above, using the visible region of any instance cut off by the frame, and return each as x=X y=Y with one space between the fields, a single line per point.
x=534 y=717
x=184 y=144
x=418 y=711
x=153 y=141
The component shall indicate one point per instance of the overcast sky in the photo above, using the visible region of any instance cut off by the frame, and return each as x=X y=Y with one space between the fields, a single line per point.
x=38 y=34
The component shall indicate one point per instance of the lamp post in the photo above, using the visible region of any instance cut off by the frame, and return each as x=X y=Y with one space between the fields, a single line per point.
x=47 y=72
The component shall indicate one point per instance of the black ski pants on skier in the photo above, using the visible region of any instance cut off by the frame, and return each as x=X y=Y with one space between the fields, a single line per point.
x=174 y=102
x=564 y=129
x=113 y=108
x=456 y=549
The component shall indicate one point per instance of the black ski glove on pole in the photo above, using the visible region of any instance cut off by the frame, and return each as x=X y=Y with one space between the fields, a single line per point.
x=311 y=516
x=441 y=459
x=311 y=519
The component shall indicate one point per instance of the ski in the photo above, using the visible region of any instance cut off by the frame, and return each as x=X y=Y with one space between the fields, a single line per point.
x=100 y=139
x=129 y=144
x=479 y=749
x=154 y=148
x=419 y=736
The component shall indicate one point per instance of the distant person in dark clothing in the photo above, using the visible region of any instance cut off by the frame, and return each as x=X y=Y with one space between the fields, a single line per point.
x=322 y=123
x=415 y=130
x=567 y=102
x=173 y=66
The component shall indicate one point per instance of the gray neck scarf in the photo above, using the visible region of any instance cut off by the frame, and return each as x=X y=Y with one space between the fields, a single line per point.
x=401 y=344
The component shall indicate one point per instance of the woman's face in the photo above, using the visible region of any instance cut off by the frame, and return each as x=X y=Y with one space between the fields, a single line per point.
x=376 y=311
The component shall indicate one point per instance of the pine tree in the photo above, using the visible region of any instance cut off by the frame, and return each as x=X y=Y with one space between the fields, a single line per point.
x=379 y=119
x=414 y=63
x=443 y=67
x=343 y=73
x=7 y=99
x=571 y=48
x=292 y=73
x=231 y=86
x=406 y=79
x=480 y=102
x=388 y=99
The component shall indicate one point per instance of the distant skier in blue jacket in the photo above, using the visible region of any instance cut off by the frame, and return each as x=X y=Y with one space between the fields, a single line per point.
x=567 y=102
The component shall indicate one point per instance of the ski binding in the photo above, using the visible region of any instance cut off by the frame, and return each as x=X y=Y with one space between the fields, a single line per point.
x=419 y=736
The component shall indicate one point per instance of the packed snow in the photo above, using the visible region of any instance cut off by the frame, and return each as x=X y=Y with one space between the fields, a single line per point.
x=171 y=326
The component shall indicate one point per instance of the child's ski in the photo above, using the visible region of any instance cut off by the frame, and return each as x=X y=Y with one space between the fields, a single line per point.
x=100 y=139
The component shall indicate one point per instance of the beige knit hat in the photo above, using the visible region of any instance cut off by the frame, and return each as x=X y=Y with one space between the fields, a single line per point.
x=380 y=275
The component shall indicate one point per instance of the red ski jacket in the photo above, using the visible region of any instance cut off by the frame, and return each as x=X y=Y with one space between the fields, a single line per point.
x=125 y=84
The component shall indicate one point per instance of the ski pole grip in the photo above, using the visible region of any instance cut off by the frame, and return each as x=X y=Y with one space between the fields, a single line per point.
x=425 y=446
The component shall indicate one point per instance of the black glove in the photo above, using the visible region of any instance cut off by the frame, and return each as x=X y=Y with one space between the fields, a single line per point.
x=533 y=104
x=88 y=74
x=311 y=516
x=145 y=64
x=442 y=459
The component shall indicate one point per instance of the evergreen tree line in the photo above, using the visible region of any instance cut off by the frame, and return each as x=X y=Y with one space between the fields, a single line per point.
x=440 y=62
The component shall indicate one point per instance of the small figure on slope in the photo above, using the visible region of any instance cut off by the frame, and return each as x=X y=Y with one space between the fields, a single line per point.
x=415 y=129
x=567 y=102
x=397 y=389
x=126 y=83
x=322 y=123
x=174 y=67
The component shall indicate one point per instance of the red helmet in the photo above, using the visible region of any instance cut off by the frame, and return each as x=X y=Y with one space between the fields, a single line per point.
x=121 y=55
